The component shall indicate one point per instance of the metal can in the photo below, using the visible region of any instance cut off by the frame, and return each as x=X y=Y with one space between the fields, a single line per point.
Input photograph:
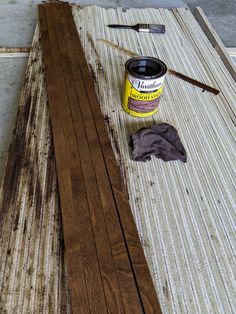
x=144 y=80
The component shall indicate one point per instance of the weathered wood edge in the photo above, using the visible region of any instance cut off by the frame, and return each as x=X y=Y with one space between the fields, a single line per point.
x=215 y=41
x=15 y=52
x=41 y=220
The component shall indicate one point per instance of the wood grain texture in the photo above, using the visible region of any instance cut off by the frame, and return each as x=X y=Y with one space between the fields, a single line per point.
x=108 y=271
x=106 y=264
x=81 y=252
x=114 y=229
x=136 y=254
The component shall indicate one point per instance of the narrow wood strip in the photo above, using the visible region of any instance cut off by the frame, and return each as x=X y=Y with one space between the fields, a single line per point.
x=108 y=271
x=14 y=54
x=194 y=82
x=139 y=264
x=121 y=49
x=81 y=254
x=123 y=268
x=171 y=71
x=15 y=49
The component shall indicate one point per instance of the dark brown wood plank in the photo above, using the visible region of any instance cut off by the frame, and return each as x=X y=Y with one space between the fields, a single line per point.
x=139 y=264
x=82 y=260
x=107 y=266
x=127 y=282
x=90 y=183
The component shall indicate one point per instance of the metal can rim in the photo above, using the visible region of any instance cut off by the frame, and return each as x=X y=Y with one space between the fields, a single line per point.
x=139 y=76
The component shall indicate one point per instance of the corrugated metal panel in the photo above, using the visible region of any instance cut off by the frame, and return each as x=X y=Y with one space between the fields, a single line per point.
x=185 y=213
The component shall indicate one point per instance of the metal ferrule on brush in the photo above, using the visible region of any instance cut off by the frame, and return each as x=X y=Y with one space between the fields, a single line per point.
x=143 y=28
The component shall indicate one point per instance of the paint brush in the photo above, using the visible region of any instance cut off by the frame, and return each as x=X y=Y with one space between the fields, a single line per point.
x=145 y=28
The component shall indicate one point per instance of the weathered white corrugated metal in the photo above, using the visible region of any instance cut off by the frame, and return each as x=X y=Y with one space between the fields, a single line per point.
x=185 y=213
x=32 y=269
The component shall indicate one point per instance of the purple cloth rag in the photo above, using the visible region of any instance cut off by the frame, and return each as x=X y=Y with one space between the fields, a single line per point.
x=161 y=140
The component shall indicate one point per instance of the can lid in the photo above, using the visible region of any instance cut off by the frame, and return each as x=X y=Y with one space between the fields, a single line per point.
x=146 y=67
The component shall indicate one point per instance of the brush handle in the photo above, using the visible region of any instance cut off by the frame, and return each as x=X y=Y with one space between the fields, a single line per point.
x=146 y=28
x=120 y=26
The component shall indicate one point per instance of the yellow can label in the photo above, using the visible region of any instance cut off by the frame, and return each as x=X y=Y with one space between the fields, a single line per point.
x=139 y=103
x=135 y=94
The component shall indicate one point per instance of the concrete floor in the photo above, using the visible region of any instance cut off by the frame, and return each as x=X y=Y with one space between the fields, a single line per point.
x=222 y=16
x=11 y=81
x=17 y=23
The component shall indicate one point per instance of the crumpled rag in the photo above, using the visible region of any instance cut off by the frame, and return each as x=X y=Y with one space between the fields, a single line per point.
x=161 y=140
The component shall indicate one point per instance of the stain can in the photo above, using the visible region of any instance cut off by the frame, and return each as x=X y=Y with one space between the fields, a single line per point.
x=144 y=80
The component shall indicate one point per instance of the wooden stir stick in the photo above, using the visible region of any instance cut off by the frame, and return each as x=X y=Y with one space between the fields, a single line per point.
x=170 y=71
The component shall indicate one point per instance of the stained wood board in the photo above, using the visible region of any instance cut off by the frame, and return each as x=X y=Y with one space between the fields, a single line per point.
x=106 y=264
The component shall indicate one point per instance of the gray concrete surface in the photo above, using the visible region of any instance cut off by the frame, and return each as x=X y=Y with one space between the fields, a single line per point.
x=17 y=24
x=11 y=81
x=222 y=16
